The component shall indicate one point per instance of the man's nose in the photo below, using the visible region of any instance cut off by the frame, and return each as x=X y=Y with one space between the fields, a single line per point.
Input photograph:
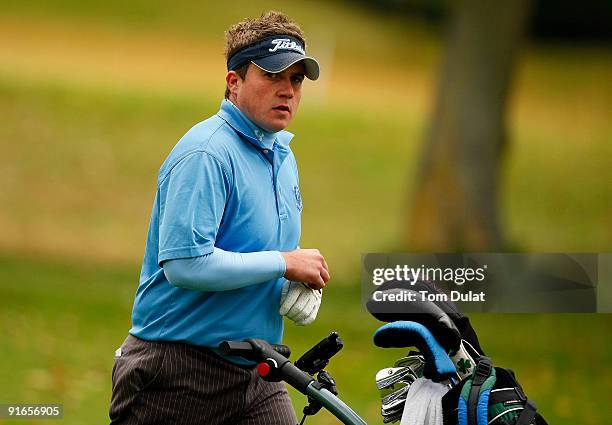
x=286 y=88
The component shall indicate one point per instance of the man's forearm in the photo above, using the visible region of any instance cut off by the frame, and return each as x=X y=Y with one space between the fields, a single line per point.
x=223 y=270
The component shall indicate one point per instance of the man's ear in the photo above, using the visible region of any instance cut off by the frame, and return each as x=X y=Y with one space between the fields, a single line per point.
x=233 y=80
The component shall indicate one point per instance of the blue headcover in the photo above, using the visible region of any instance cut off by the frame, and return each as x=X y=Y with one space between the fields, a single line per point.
x=412 y=334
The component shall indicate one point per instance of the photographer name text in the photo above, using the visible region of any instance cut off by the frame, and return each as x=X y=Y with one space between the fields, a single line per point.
x=420 y=296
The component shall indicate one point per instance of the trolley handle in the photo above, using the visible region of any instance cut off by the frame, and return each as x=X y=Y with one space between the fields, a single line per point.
x=272 y=365
x=245 y=350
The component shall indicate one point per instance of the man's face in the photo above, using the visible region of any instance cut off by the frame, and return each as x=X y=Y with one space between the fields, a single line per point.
x=269 y=100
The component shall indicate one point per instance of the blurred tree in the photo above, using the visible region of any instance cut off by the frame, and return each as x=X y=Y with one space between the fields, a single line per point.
x=455 y=205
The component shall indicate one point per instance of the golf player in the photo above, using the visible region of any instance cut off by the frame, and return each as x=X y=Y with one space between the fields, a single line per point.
x=222 y=260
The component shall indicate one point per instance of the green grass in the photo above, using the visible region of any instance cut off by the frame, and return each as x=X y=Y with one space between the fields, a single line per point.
x=61 y=322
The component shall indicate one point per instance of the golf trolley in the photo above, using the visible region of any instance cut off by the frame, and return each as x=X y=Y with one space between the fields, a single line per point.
x=273 y=365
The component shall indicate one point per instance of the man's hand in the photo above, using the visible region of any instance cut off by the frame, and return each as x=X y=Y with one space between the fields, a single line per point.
x=308 y=266
x=299 y=302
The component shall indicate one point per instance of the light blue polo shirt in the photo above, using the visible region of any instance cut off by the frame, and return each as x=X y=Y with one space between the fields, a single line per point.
x=226 y=184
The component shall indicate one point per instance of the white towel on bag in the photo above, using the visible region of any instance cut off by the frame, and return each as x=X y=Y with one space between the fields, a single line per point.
x=424 y=403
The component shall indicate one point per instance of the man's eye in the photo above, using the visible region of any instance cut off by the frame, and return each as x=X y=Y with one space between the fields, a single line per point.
x=298 y=79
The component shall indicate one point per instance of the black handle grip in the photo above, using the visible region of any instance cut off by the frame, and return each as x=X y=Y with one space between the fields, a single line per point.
x=259 y=351
x=281 y=349
x=237 y=348
x=245 y=350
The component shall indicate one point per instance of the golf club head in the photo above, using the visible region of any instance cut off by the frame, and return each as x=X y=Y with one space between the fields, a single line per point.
x=393 y=405
x=385 y=378
x=416 y=363
x=391 y=400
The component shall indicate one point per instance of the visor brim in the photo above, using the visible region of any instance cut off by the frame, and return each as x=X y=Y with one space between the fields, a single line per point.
x=280 y=62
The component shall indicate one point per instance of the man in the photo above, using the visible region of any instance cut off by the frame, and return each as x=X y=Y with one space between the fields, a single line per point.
x=222 y=260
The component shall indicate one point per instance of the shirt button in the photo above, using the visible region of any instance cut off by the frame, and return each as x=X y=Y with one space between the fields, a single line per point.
x=265 y=151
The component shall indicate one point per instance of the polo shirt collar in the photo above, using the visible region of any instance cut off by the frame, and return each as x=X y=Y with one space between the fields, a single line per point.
x=252 y=132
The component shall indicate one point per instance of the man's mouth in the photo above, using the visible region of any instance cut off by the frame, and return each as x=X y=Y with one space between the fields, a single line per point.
x=282 y=108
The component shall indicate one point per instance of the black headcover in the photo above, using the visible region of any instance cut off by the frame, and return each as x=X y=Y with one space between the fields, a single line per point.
x=442 y=318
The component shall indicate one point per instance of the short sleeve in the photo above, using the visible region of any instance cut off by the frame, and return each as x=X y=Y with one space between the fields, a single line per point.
x=192 y=199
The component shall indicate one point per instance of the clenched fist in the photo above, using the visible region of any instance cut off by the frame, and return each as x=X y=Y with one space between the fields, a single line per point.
x=308 y=266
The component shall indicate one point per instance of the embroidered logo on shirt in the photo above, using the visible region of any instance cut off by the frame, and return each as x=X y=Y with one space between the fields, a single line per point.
x=298 y=198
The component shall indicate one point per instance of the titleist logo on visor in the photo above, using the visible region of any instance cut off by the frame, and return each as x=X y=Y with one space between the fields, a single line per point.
x=286 y=44
x=269 y=46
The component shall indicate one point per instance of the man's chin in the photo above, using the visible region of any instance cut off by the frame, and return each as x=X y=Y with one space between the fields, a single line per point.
x=277 y=126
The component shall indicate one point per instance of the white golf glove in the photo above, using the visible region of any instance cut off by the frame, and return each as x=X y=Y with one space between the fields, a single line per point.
x=299 y=302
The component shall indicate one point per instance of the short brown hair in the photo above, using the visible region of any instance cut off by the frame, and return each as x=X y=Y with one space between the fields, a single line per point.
x=249 y=31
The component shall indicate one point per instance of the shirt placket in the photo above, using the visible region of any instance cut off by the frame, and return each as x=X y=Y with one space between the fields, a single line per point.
x=275 y=157
x=276 y=164
x=275 y=160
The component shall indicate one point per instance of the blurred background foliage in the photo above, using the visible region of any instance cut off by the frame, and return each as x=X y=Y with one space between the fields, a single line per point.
x=93 y=95
x=556 y=20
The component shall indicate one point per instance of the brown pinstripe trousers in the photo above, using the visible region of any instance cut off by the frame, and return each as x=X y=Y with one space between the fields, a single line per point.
x=174 y=383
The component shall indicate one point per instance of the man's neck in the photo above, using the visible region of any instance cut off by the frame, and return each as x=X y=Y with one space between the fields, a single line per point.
x=249 y=121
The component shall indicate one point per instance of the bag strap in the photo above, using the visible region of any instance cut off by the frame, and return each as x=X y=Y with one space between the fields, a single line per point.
x=528 y=413
x=481 y=373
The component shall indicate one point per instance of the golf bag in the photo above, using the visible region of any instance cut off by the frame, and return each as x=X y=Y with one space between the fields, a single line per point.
x=491 y=395
x=449 y=353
